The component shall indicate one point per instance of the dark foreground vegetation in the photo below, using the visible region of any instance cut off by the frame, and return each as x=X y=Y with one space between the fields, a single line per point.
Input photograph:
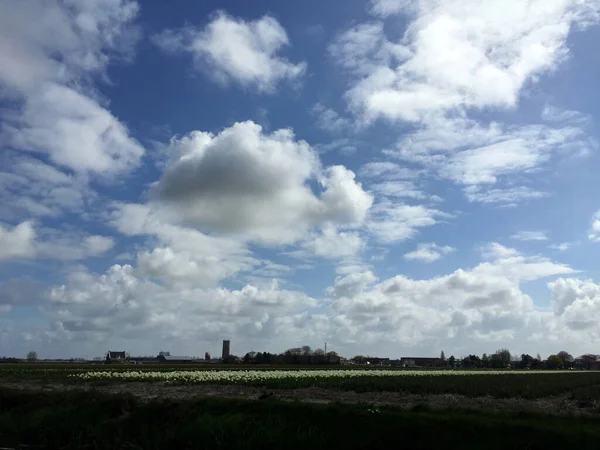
x=71 y=420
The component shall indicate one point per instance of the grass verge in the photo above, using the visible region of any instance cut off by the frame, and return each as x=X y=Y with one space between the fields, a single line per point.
x=72 y=420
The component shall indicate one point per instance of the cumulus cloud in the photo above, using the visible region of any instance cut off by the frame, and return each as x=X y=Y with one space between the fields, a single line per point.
x=461 y=55
x=576 y=301
x=428 y=252
x=454 y=61
x=98 y=245
x=331 y=243
x=26 y=241
x=121 y=302
x=181 y=255
x=246 y=181
x=351 y=285
x=50 y=65
x=232 y=49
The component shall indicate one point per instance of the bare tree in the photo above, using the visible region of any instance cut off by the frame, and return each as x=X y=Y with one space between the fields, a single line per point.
x=32 y=356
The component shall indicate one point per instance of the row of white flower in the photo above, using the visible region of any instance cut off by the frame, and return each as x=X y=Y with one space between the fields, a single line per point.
x=245 y=376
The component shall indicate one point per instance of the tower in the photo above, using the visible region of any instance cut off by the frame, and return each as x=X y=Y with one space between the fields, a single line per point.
x=226 y=347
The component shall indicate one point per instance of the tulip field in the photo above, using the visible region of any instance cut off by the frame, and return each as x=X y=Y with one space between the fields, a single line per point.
x=474 y=383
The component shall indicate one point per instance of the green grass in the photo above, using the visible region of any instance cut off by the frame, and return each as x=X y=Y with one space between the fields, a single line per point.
x=90 y=420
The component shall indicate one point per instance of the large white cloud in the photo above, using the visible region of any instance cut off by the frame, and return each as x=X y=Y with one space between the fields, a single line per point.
x=577 y=302
x=231 y=49
x=122 y=303
x=180 y=255
x=462 y=55
x=454 y=61
x=245 y=181
x=51 y=66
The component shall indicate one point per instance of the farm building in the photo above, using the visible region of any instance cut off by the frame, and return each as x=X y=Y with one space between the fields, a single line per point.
x=164 y=359
x=420 y=362
x=116 y=357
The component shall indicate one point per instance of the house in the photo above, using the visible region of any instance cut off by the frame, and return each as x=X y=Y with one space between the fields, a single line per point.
x=116 y=357
x=164 y=359
x=374 y=361
x=420 y=362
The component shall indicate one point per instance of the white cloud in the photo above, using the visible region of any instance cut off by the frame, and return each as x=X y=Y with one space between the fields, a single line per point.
x=17 y=242
x=393 y=222
x=564 y=116
x=428 y=252
x=231 y=49
x=594 y=233
x=51 y=67
x=386 y=8
x=98 y=245
x=562 y=247
x=75 y=131
x=328 y=119
x=462 y=55
x=538 y=235
x=29 y=187
x=245 y=181
x=576 y=301
x=406 y=189
x=506 y=197
x=119 y=302
x=24 y=241
x=181 y=255
x=494 y=251
x=387 y=170
x=471 y=154
x=351 y=285
x=331 y=243
x=363 y=48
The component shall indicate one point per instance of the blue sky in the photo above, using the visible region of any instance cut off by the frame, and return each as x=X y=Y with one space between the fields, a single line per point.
x=391 y=177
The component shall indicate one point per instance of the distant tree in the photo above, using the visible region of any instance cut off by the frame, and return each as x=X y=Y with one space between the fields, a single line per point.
x=538 y=357
x=566 y=356
x=296 y=351
x=319 y=352
x=442 y=356
x=526 y=361
x=485 y=360
x=588 y=359
x=306 y=350
x=359 y=359
x=555 y=362
x=504 y=355
x=32 y=356
x=452 y=361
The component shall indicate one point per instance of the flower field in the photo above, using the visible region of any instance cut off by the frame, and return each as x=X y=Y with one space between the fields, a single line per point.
x=471 y=383
x=254 y=376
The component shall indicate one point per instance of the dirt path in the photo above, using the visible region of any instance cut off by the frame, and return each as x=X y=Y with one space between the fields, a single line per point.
x=152 y=391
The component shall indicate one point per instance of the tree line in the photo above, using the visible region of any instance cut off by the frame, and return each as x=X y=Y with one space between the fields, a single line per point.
x=296 y=355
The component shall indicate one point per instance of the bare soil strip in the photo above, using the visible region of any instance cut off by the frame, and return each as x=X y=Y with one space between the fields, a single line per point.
x=151 y=391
